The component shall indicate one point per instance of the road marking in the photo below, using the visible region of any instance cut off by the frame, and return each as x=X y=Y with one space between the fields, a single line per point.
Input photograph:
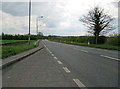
x=77 y=81
x=50 y=52
x=66 y=69
x=110 y=57
x=52 y=55
x=45 y=45
x=84 y=51
x=47 y=49
x=59 y=62
x=55 y=58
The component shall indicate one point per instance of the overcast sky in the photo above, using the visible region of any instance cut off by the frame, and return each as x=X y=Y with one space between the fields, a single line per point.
x=60 y=17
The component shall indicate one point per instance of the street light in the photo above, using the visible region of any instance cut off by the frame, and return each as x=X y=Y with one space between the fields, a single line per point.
x=29 y=20
x=37 y=24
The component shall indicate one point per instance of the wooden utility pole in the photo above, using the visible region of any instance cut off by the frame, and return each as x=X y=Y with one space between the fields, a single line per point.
x=29 y=20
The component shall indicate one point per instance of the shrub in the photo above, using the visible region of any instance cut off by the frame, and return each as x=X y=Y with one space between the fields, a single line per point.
x=101 y=40
x=113 y=41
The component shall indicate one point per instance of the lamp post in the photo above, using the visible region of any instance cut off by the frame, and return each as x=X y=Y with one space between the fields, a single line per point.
x=29 y=20
x=37 y=25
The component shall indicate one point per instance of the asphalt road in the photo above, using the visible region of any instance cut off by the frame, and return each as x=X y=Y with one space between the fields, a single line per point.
x=37 y=70
x=64 y=65
x=93 y=67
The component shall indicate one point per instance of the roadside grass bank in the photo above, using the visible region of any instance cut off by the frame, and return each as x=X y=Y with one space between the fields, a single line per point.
x=13 y=50
x=102 y=46
x=10 y=41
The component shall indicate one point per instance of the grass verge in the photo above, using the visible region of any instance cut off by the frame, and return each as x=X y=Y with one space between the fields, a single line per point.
x=13 y=50
x=10 y=41
x=103 y=46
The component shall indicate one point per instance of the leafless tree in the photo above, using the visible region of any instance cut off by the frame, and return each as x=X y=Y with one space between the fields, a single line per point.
x=97 y=22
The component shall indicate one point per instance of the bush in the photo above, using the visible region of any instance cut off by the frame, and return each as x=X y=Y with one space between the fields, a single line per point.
x=101 y=40
x=17 y=37
x=113 y=41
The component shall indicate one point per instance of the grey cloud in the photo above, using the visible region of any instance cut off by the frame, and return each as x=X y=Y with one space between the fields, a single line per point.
x=15 y=8
x=54 y=14
x=38 y=8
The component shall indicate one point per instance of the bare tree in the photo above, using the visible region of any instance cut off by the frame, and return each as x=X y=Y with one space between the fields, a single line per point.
x=97 y=22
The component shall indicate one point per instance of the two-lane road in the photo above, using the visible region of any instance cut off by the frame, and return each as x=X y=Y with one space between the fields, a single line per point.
x=64 y=65
x=93 y=67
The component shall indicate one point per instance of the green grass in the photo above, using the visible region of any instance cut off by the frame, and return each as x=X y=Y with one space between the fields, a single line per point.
x=102 y=46
x=10 y=41
x=13 y=50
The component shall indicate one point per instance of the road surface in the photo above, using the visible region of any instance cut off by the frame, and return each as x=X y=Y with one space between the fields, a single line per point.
x=93 y=67
x=64 y=65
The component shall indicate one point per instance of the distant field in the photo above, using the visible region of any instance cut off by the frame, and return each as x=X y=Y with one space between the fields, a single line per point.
x=10 y=41
x=13 y=50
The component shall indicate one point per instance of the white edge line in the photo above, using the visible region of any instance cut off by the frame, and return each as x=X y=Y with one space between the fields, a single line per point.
x=110 y=57
x=66 y=69
x=80 y=84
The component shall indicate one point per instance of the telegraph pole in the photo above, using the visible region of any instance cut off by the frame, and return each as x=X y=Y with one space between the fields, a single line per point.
x=37 y=27
x=29 y=20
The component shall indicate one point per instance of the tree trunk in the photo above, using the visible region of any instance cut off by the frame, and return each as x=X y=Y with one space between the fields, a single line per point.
x=96 y=39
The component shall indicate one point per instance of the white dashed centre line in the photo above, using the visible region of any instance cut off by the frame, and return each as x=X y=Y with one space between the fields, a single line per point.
x=59 y=62
x=77 y=81
x=48 y=49
x=110 y=57
x=52 y=55
x=84 y=51
x=55 y=58
x=45 y=46
x=50 y=52
x=81 y=50
x=66 y=69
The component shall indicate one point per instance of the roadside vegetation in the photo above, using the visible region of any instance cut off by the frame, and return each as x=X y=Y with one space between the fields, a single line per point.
x=15 y=44
x=111 y=43
x=10 y=41
x=13 y=50
x=98 y=22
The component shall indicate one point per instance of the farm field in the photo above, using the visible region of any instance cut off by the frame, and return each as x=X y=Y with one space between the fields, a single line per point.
x=10 y=41
x=13 y=50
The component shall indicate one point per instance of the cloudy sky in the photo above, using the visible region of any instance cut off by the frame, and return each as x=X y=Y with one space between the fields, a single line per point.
x=60 y=17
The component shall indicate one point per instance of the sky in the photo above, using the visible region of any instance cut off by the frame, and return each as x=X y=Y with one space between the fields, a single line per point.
x=60 y=17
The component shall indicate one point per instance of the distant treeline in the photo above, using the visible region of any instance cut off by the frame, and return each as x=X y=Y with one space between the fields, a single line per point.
x=18 y=37
x=80 y=39
x=112 y=40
